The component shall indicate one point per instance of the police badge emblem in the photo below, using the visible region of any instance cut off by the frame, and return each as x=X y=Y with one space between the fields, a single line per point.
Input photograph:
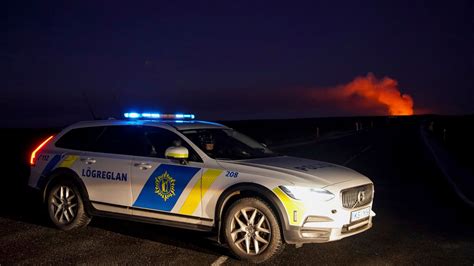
x=164 y=186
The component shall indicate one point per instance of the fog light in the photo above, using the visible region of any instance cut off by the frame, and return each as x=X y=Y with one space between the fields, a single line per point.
x=312 y=219
x=322 y=234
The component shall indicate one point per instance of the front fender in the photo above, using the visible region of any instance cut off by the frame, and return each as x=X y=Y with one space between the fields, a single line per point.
x=255 y=190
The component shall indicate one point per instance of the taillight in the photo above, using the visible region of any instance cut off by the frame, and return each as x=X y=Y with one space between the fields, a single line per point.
x=33 y=154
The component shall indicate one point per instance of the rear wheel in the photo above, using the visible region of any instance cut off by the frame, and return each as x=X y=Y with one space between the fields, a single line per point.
x=66 y=206
x=252 y=230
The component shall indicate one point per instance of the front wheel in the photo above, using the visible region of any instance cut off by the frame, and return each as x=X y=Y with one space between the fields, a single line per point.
x=66 y=207
x=252 y=230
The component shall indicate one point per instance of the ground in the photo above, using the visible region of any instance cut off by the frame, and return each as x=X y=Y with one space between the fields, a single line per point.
x=419 y=219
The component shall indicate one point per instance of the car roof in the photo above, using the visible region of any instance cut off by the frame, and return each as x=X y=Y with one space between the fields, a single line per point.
x=192 y=124
x=176 y=124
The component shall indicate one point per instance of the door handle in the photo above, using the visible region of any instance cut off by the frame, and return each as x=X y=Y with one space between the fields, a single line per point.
x=143 y=166
x=88 y=160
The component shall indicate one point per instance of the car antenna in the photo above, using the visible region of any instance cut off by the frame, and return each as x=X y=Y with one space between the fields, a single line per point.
x=116 y=99
x=89 y=106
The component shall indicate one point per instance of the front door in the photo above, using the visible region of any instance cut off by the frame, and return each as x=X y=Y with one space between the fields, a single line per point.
x=165 y=188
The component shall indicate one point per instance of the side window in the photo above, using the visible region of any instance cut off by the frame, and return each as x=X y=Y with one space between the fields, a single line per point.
x=80 y=138
x=161 y=139
x=127 y=140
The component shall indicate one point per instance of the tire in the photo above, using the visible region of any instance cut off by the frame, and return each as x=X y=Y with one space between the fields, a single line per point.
x=66 y=206
x=252 y=230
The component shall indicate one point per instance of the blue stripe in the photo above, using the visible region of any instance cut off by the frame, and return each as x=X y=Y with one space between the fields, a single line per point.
x=51 y=164
x=150 y=200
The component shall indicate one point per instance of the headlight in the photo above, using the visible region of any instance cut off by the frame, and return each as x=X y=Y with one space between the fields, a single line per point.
x=307 y=193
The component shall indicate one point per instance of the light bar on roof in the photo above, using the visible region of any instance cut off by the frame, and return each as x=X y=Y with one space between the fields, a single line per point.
x=134 y=115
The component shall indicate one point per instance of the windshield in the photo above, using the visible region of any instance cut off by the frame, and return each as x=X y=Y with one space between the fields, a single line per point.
x=227 y=144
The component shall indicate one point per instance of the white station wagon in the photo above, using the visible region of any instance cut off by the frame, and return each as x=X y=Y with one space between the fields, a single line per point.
x=176 y=171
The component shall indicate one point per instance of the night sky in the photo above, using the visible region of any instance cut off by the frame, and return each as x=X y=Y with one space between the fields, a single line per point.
x=228 y=59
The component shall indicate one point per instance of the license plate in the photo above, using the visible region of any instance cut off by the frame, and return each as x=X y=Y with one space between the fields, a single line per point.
x=360 y=214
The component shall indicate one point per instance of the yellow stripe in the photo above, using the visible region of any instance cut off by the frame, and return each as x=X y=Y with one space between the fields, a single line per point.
x=198 y=191
x=208 y=178
x=291 y=205
x=192 y=201
x=177 y=155
x=68 y=161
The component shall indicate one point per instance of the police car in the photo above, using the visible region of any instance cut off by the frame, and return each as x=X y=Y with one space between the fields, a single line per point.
x=176 y=171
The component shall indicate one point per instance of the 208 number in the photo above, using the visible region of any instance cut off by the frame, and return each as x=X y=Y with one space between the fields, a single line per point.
x=232 y=174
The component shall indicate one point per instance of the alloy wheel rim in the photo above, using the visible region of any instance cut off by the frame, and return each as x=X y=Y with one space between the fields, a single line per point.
x=250 y=231
x=64 y=205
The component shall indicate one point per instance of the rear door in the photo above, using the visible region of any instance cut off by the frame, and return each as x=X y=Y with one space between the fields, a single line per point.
x=106 y=168
x=164 y=188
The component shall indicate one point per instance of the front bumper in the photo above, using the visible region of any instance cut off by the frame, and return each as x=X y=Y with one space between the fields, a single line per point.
x=325 y=231
x=311 y=221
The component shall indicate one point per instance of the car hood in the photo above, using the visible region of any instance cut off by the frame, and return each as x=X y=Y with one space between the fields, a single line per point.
x=303 y=171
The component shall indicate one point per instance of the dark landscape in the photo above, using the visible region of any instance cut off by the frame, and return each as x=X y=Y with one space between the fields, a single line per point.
x=420 y=217
x=381 y=87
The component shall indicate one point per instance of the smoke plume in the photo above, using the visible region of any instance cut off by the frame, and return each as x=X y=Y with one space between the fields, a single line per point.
x=368 y=94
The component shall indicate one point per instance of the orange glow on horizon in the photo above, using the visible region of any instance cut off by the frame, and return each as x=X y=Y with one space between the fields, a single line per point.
x=369 y=93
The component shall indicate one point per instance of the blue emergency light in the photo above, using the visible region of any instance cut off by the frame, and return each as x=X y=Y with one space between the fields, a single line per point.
x=134 y=115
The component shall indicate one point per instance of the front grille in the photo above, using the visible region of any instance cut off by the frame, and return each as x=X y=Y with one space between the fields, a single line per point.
x=357 y=196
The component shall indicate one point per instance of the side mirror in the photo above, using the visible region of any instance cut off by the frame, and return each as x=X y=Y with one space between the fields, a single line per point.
x=177 y=152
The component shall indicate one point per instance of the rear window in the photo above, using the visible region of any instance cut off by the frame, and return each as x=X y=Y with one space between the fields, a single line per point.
x=128 y=140
x=80 y=138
